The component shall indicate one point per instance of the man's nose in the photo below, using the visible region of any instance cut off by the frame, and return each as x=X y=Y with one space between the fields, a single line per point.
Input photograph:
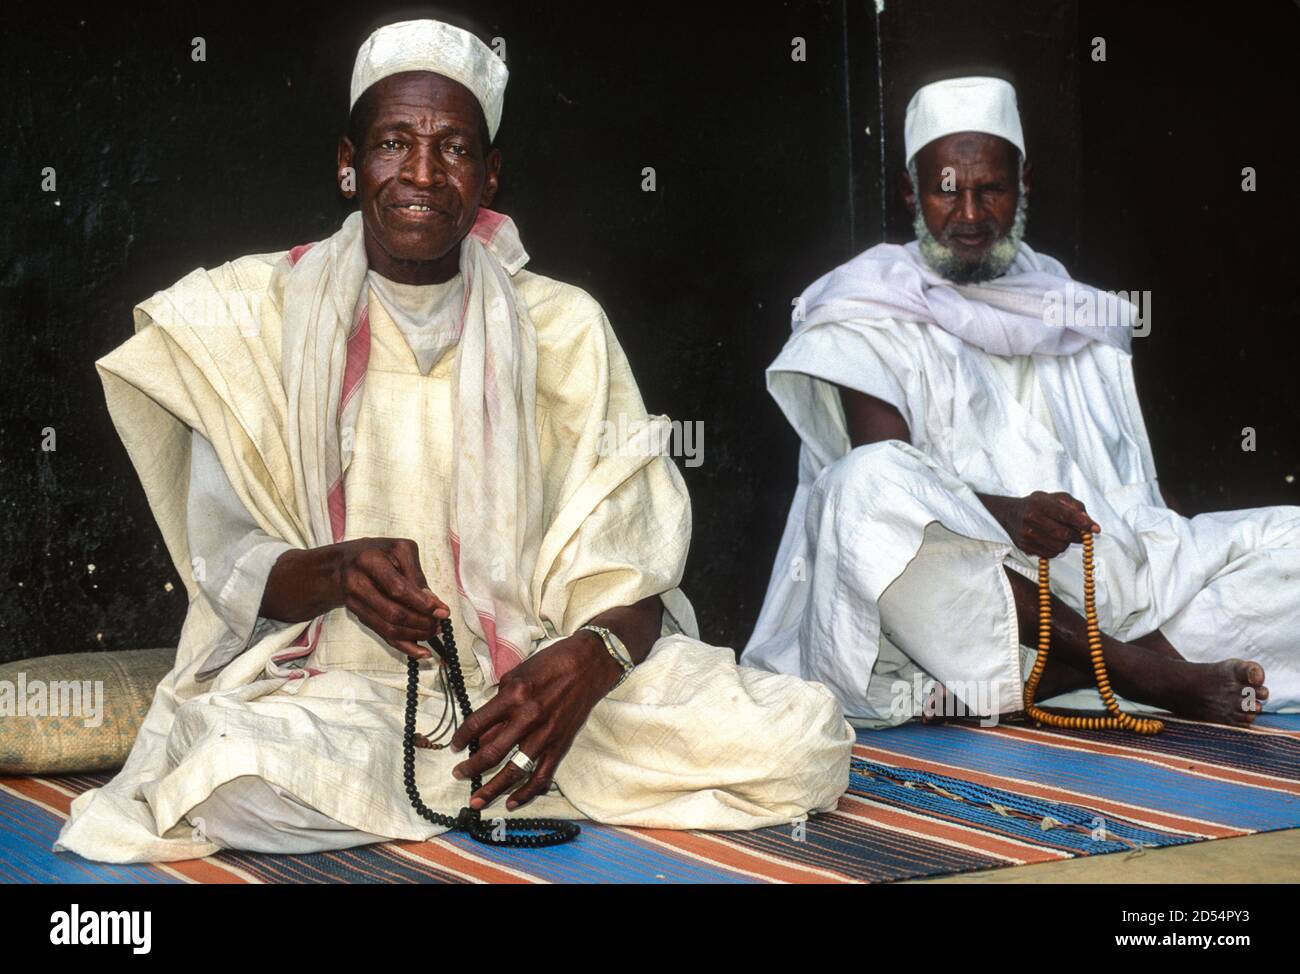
x=969 y=206
x=423 y=167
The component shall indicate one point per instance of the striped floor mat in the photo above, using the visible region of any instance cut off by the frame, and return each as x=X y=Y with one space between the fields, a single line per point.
x=922 y=801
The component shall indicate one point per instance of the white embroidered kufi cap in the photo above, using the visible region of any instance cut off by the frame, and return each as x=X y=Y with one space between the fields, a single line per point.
x=431 y=45
x=962 y=105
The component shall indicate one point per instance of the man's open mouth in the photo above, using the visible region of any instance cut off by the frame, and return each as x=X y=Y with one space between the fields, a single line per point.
x=418 y=210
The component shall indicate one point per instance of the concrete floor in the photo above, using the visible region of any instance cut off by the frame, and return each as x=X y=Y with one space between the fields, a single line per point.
x=1273 y=857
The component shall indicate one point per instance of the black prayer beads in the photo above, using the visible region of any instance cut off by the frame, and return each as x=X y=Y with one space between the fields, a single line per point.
x=527 y=833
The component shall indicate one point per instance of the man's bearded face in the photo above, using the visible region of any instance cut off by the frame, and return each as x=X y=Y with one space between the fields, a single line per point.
x=969 y=205
x=423 y=168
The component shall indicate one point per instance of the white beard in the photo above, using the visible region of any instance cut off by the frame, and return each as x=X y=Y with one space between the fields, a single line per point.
x=945 y=261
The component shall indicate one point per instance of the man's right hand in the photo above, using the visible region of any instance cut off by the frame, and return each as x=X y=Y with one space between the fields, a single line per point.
x=1042 y=524
x=384 y=587
x=379 y=580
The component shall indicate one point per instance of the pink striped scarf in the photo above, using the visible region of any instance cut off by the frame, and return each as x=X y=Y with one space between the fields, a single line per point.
x=496 y=503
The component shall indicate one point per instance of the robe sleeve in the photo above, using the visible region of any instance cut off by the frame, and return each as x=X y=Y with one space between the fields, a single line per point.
x=232 y=557
x=631 y=546
x=620 y=523
x=876 y=357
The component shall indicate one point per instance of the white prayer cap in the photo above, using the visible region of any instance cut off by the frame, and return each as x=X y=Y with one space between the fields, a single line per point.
x=431 y=45
x=962 y=105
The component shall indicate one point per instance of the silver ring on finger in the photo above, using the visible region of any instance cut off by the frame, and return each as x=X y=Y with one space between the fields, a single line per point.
x=523 y=762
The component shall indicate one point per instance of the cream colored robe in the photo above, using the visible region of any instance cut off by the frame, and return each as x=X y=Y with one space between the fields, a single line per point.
x=689 y=741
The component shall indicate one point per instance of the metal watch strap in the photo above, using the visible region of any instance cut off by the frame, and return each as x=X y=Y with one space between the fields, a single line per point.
x=614 y=646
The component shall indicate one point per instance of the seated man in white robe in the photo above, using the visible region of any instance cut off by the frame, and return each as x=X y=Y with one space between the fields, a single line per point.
x=348 y=443
x=965 y=408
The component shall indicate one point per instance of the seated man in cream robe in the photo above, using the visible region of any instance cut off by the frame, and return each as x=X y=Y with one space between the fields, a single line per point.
x=345 y=444
x=962 y=414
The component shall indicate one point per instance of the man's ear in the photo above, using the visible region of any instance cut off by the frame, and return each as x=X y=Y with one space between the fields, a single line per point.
x=493 y=180
x=346 y=176
x=1027 y=175
x=908 y=191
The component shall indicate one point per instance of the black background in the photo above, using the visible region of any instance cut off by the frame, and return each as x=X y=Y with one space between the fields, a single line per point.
x=769 y=173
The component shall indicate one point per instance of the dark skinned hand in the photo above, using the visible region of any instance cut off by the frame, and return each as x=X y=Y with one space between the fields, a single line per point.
x=541 y=705
x=1042 y=524
x=379 y=580
x=383 y=586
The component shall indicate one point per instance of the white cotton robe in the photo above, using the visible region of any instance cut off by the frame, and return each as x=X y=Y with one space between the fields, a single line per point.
x=690 y=740
x=891 y=569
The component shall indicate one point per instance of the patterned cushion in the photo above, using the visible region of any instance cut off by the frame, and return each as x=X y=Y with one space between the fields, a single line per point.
x=76 y=712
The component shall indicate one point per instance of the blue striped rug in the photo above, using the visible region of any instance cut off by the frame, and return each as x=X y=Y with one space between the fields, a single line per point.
x=923 y=800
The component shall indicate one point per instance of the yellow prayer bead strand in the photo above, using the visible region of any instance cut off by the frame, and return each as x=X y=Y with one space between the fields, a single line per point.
x=1119 y=720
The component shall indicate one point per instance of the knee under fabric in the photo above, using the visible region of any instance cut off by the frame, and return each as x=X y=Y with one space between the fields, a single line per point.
x=250 y=814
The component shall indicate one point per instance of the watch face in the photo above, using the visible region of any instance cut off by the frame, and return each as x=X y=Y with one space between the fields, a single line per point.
x=615 y=647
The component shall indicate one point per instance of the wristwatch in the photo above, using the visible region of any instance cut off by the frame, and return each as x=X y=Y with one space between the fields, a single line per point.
x=614 y=646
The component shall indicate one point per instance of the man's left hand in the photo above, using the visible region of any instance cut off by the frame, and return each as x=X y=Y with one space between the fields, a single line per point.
x=541 y=705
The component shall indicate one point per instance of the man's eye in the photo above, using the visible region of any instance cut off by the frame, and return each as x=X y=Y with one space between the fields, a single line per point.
x=390 y=144
x=455 y=148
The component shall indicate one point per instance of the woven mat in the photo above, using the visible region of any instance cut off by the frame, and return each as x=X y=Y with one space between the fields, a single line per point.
x=922 y=801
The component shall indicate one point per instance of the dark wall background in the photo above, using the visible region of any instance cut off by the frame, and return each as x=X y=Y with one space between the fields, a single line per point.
x=1187 y=99
x=769 y=173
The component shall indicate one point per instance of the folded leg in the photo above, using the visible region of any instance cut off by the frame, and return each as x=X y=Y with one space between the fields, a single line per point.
x=907 y=559
x=250 y=814
x=692 y=740
x=1251 y=607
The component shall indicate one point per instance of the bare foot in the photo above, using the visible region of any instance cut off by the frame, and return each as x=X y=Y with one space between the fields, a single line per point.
x=1148 y=670
x=1227 y=692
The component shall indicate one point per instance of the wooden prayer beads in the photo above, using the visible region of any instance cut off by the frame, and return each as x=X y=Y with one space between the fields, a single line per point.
x=1119 y=719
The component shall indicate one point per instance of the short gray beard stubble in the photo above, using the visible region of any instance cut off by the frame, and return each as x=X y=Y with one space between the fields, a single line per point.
x=944 y=260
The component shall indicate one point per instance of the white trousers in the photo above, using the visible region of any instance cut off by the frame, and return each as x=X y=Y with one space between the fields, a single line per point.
x=251 y=814
x=908 y=573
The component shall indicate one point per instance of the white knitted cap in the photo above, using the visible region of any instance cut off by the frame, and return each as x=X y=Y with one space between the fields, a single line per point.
x=431 y=45
x=962 y=105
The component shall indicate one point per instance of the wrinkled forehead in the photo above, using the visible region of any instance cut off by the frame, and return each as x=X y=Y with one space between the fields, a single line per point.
x=970 y=151
x=421 y=93
x=419 y=99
